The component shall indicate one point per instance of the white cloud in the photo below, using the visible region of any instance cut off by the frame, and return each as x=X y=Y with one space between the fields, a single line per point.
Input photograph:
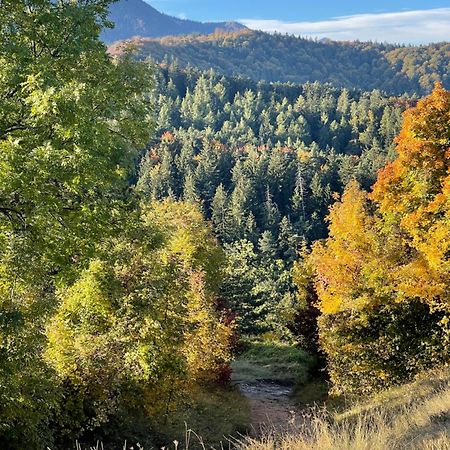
x=415 y=27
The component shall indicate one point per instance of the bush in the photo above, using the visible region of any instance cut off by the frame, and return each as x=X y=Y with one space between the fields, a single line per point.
x=371 y=350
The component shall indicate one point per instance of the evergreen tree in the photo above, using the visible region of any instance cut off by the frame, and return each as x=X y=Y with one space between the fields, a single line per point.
x=190 y=194
x=288 y=241
x=271 y=213
x=220 y=214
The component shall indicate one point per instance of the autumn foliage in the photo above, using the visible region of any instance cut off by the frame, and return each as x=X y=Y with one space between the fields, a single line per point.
x=141 y=322
x=382 y=276
x=415 y=189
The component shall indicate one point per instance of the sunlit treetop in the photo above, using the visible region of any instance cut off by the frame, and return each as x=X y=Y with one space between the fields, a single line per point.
x=71 y=122
x=416 y=186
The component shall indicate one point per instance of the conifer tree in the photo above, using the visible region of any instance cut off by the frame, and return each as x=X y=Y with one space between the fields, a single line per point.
x=190 y=193
x=220 y=214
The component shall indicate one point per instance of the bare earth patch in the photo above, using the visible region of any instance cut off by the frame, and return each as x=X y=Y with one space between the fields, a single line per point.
x=271 y=406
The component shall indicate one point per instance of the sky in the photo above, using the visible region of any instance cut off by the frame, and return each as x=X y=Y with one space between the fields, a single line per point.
x=396 y=21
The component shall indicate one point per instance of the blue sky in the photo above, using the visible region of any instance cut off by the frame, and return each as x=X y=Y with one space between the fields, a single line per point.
x=412 y=21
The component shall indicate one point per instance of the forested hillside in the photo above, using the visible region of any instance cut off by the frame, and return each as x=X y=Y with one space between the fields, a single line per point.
x=273 y=58
x=176 y=242
x=370 y=299
x=265 y=162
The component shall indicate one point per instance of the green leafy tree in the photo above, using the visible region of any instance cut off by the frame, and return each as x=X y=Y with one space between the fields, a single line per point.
x=71 y=122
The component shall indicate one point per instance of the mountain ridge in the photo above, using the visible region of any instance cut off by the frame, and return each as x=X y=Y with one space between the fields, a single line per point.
x=134 y=18
x=284 y=58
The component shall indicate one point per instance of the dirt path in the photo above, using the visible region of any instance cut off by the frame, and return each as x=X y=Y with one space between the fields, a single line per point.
x=272 y=408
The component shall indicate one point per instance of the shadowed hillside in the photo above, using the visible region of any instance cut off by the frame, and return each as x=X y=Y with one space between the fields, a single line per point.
x=138 y=18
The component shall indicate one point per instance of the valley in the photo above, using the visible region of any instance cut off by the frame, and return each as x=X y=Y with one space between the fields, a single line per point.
x=219 y=237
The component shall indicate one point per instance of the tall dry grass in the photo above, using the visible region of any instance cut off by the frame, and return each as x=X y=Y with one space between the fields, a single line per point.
x=413 y=417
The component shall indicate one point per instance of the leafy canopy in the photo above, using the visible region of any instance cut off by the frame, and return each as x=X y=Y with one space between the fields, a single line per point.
x=71 y=121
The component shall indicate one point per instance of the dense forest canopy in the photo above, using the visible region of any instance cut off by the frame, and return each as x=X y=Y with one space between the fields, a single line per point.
x=282 y=58
x=265 y=162
x=211 y=126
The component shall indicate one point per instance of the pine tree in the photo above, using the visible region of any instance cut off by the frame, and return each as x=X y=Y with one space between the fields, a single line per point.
x=251 y=230
x=343 y=103
x=220 y=214
x=271 y=213
x=190 y=193
x=207 y=172
x=287 y=241
x=267 y=246
x=298 y=199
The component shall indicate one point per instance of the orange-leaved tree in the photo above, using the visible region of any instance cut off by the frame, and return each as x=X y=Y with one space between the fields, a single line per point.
x=382 y=275
x=414 y=191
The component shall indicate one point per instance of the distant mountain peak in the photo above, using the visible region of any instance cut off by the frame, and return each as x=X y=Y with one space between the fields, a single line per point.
x=135 y=18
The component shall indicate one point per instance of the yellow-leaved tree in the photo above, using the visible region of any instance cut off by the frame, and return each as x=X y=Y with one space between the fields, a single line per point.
x=382 y=275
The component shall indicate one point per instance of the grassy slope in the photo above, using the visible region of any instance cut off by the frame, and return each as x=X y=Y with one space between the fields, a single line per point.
x=415 y=416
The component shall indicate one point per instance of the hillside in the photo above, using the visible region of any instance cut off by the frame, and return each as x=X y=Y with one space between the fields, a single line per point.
x=273 y=58
x=265 y=126
x=138 y=18
x=185 y=250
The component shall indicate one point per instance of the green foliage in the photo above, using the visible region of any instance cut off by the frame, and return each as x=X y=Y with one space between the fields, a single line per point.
x=263 y=166
x=371 y=350
x=264 y=175
x=305 y=325
x=271 y=360
x=258 y=289
x=72 y=120
x=27 y=390
x=143 y=322
x=113 y=299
